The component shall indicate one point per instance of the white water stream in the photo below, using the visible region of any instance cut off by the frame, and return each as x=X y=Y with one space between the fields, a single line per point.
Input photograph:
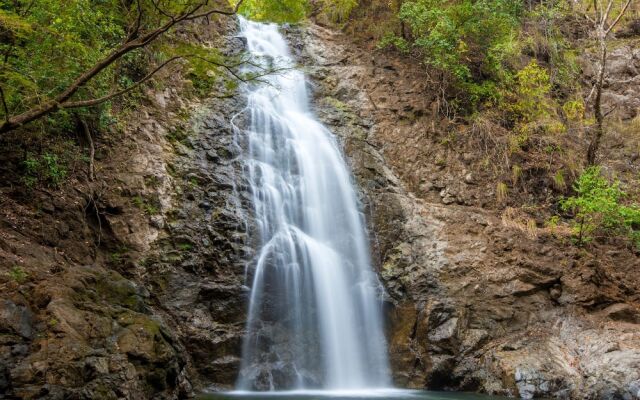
x=315 y=318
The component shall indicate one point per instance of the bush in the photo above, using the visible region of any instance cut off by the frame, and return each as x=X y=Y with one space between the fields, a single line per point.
x=47 y=168
x=18 y=274
x=276 y=11
x=468 y=39
x=531 y=94
x=338 y=10
x=598 y=206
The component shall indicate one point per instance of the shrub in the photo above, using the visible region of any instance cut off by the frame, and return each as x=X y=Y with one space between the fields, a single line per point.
x=338 y=10
x=574 y=110
x=532 y=91
x=392 y=40
x=47 y=168
x=468 y=39
x=597 y=206
x=18 y=274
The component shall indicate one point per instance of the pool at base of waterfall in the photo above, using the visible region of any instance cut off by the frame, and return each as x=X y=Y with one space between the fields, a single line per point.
x=380 y=394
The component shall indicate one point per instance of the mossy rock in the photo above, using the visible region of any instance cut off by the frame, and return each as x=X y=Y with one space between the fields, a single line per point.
x=143 y=339
x=116 y=290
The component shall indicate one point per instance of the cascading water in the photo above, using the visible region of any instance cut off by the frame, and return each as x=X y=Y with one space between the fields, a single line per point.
x=315 y=311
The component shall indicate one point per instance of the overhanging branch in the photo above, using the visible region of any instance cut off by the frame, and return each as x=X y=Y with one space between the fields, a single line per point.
x=131 y=43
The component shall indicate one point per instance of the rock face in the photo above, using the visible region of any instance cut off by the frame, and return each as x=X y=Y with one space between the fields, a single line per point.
x=476 y=302
x=131 y=286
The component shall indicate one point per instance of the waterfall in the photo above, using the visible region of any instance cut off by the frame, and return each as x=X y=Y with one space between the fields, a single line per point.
x=315 y=318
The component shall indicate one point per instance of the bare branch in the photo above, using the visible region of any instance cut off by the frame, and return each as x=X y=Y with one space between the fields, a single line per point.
x=589 y=19
x=160 y=10
x=100 y=100
x=134 y=43
x=252 y=78
x=622 y=12
x=591 y=93
x=209 y=13
x=228 y=67
x=610 y=111
x=605 y=16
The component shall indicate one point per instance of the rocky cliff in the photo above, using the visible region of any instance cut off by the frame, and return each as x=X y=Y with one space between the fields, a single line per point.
x=130 y=285
x=477 y=300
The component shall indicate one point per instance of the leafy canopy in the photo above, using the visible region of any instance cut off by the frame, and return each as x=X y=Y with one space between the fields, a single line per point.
x=291 y=11
x=279 y=11
x=79 y=53
x=45 y=46
x=468 y=39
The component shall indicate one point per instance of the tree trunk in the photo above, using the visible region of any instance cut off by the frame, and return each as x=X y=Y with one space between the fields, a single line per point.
x=594 y=146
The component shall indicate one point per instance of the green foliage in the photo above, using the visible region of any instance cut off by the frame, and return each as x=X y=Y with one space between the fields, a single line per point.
x=531 y=106
x=204 y=67
x=469 y=39
x=397 y=42
x=49 y=43
x=149 y=207
x=480 y=45
x=544 y=41
x=178 y=135
x=559 y=181
x=338 y=10
x=574 y=110
x=18 y=274
x=598 y=207
x=532 y=91
x=185 y=247
x=553 y=222
x=279 y=11
x=46 y=168
x=193 y=182
x=119 y=255
x=46 y=45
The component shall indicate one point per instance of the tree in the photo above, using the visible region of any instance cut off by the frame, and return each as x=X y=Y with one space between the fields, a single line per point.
x=37 y=23
x=598 y=205
x=603 y=23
